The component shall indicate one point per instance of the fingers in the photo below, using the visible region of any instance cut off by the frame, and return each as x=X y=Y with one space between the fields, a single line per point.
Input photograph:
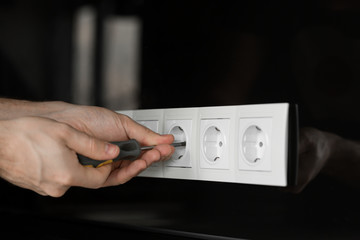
x=94 y=177
x=144 y=135
x=122 y=171
x=159 y=153
x=125 y=173
x=100 y=150
x=91 y=147
x=128 y=169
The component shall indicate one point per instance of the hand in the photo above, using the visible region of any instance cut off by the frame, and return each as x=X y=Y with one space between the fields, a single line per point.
x=40 y=154
x=95 y=121
x=111 y=126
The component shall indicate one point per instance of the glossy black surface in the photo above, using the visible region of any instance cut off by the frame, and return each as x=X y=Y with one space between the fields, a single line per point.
x=324 y=210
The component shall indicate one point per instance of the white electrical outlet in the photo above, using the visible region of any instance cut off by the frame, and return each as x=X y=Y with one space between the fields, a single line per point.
x=240 y=144
x=214 y=143
x=181 y=130
x=182 y=123
x=255 y=145
x=262 y=144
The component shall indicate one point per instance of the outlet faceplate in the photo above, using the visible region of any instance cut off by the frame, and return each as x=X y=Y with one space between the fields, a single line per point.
x=254 y=144
x=181 y=129
x=214 y=140
x=240 y=144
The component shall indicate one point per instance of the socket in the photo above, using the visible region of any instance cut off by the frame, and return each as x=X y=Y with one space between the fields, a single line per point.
x=181 y=130
x=214 y=141
x=255 y=145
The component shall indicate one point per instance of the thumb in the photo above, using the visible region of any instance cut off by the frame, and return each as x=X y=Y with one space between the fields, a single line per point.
x=90 y=146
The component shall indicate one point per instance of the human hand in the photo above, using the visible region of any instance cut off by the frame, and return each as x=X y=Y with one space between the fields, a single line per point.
x=111 y=126
x=40 y=154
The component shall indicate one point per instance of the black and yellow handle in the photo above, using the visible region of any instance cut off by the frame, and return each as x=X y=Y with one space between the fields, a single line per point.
x=129 y=150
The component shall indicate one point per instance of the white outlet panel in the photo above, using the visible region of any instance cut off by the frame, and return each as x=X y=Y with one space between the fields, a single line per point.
x=239 y=144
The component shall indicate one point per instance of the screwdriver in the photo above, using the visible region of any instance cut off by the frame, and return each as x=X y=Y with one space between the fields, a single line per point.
x=129 y=150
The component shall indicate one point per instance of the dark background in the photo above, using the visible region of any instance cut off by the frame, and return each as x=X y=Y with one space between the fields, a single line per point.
x=194 y=54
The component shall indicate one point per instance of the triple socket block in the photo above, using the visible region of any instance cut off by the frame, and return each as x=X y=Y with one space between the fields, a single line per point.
x=250 y=144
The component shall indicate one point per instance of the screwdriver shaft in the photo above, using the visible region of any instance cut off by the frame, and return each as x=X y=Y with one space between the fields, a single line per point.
x=175 y=144
x=179 y=144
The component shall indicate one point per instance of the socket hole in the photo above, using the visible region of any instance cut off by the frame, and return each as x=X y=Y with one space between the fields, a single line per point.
x=179 y=136
x=213 y=140
x=254 y=144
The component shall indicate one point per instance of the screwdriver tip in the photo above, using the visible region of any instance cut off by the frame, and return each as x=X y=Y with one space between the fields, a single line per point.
x=179 y=144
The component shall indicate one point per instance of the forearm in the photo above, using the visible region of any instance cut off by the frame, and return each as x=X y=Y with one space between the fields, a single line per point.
x=12 y=108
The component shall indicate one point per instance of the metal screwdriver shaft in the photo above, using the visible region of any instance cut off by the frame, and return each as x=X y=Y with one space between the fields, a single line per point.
x=175 y=144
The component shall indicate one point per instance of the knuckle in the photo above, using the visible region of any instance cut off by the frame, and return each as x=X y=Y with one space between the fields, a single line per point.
x=58 y=192
x=97 y=186
x=92 y=145
x=63 y=130
x=63 y=179
x=54 y=190
x=123 y=119
x=143 y=165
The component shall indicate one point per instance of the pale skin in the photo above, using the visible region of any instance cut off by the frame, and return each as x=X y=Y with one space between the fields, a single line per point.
x=39 y=142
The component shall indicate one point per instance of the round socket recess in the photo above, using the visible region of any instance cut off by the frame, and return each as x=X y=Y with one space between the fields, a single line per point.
x=254 y=144
x=213 y=144
x=179 y=136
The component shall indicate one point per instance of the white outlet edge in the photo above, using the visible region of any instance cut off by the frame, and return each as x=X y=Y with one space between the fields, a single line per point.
x=275 y=176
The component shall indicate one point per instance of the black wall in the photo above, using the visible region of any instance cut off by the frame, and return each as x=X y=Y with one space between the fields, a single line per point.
x=194 y=54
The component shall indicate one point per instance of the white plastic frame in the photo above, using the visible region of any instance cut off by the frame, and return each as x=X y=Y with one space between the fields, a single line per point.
x=273 y=119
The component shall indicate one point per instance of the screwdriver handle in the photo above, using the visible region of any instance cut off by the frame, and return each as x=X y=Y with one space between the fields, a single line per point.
x=129 y=150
